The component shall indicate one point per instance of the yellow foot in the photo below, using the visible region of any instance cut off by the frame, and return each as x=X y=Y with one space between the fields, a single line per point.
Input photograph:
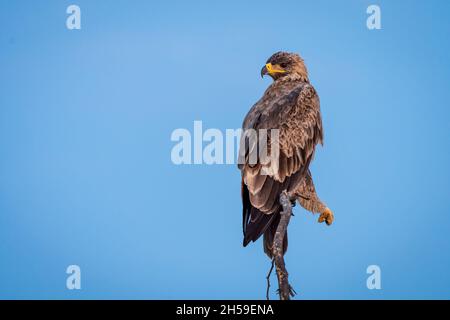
x=327 y=216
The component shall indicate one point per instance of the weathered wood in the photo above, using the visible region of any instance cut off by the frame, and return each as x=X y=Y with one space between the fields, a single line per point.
x=285 y=290
x=268 y=280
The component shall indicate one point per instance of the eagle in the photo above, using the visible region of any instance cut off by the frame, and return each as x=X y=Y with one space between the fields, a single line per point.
x=291 y=106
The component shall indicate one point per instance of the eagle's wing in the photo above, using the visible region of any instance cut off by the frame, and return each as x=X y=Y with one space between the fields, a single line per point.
x=298 y=119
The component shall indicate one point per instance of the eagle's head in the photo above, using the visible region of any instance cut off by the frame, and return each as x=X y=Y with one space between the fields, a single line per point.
x=285 y=64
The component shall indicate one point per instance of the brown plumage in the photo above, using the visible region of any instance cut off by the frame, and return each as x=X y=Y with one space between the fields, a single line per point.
x=291 y=105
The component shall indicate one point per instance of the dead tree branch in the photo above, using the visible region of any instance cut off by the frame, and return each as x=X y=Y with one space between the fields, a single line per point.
x=268 y=280
x=285 y=290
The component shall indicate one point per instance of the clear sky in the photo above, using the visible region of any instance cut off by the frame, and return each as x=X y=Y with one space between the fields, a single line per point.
x=86 y=176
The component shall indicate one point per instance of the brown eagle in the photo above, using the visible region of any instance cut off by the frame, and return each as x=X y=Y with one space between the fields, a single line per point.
x=291 y=105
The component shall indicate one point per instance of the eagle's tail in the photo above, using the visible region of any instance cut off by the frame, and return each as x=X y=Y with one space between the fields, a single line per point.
x=256 y=223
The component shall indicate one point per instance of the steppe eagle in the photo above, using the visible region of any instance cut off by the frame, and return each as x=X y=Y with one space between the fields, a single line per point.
x=291 y=105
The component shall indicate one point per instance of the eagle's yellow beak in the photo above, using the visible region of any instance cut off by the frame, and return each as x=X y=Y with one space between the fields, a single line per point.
x=271 y=69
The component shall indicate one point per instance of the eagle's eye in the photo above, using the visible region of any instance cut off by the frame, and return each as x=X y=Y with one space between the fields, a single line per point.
x=283 y=65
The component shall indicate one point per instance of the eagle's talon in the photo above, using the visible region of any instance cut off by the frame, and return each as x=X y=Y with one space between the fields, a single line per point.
x=327 y=216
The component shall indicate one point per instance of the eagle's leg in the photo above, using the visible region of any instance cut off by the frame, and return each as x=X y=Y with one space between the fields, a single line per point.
x=285 y=289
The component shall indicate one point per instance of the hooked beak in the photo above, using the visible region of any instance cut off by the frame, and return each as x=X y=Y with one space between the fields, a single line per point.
x=271 y=70
x=264 y=71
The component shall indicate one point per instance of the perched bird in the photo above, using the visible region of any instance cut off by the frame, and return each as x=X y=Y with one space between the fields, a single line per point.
x=291 y=105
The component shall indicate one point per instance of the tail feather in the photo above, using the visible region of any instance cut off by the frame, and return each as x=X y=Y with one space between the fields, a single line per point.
x=256 y=223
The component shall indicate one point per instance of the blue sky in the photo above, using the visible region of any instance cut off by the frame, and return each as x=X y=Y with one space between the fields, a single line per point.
x=86 y=176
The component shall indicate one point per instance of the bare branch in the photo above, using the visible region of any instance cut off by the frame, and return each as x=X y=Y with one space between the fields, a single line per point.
x=285 y=289
x=268 y=279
